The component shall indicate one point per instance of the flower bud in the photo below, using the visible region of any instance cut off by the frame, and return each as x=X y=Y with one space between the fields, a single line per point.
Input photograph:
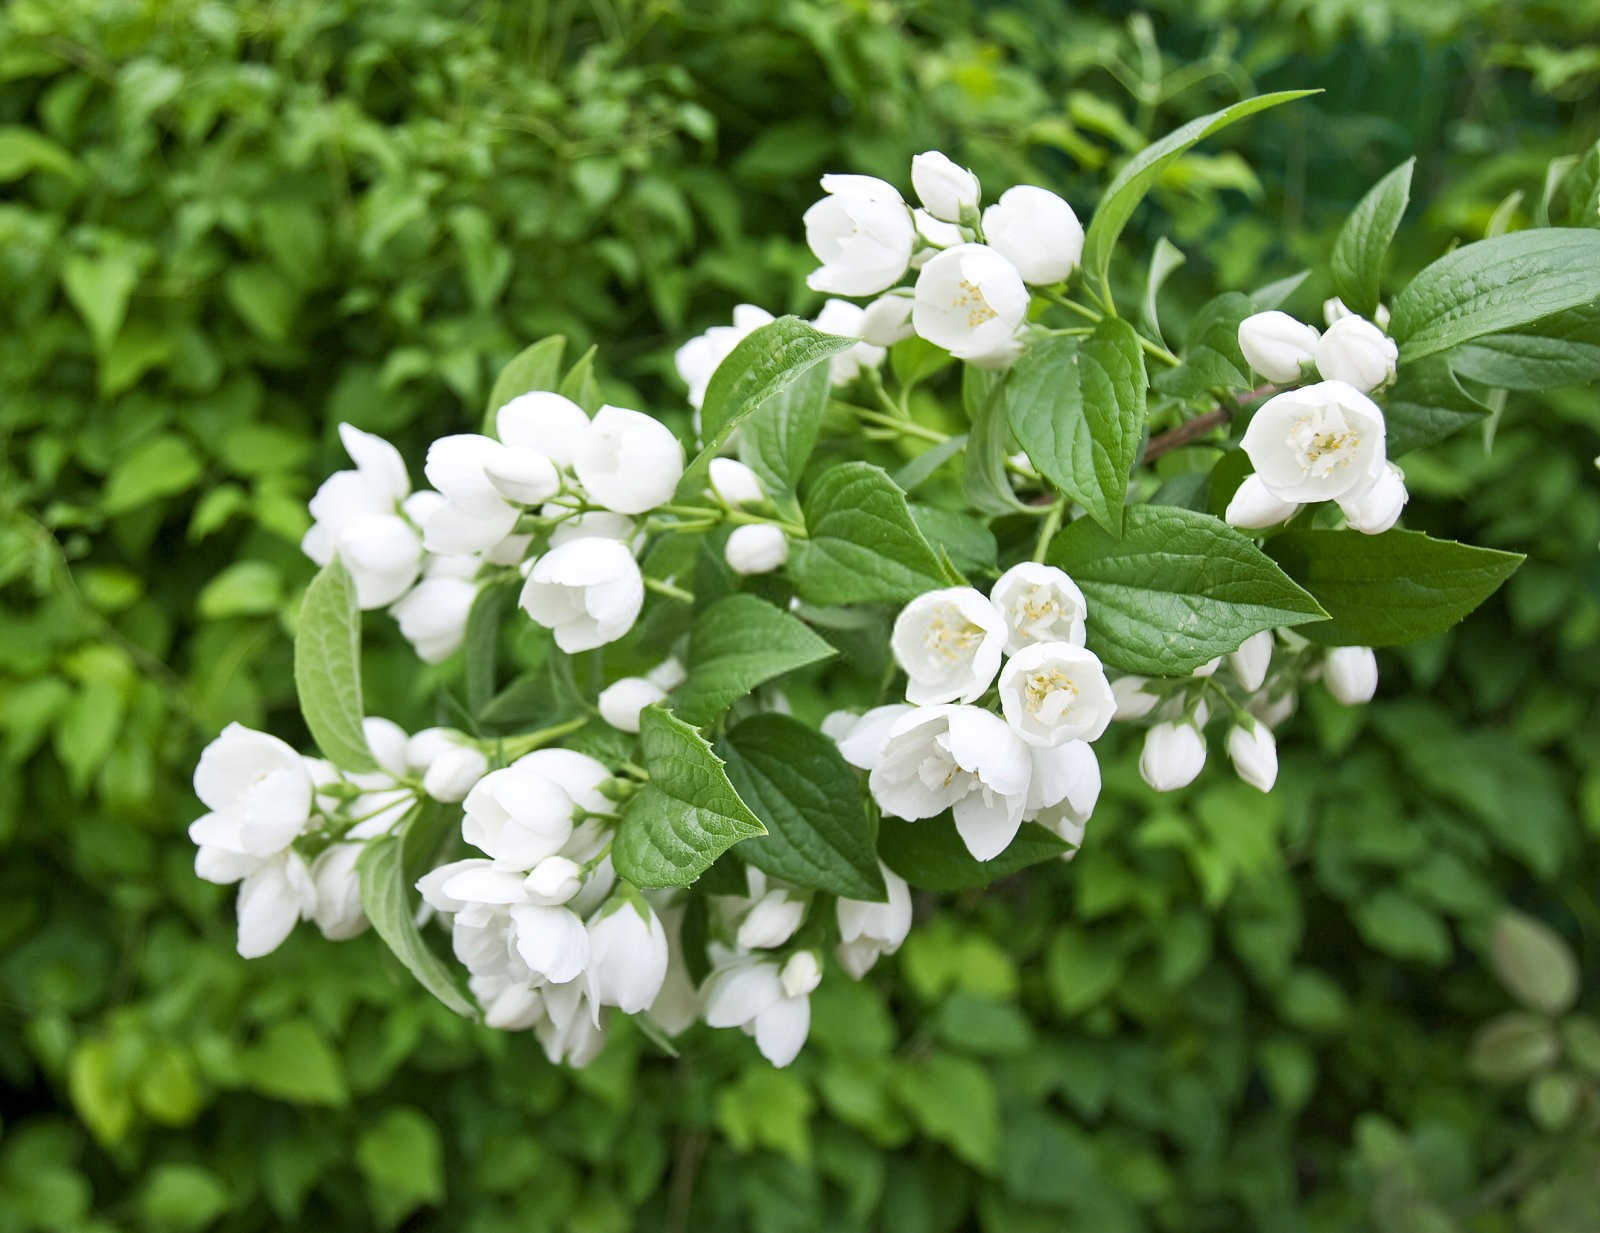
x=771 y=921
x=1333 y=309
x=947 y=190
x=887 y=320
x=1133 y=702
x=1036 y=231
x=1254 y=754
x=1277 y=346
x=934 y=232
x=387 y=741
x=544 y=422
x=758 y=548
x=1173 y=755
x=622 y=701
x=735 y=483
x=433 y=616
x=554 y=881
x=452 y=774
x=1351 y=673
x=551 y=941
x=1251 y=661
x=668 y=674
x=338 y=911
x=1358 y=353
x=861 y=232
x=801 y=974
x=1209 y=668
x=589 y=591
x=627 y=461
x=627 y=956
x=1377 y=509
x=522 y=475
x=1253 y=507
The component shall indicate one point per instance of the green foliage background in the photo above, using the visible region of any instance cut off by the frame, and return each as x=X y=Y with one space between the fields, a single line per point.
x=226 y=227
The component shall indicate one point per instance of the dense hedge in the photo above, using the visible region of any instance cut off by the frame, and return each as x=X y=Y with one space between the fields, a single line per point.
x=226 y=228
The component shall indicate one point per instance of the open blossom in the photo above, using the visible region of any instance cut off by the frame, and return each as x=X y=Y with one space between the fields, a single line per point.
x=946 y=189
x=589 y=591
x=1351 y=674
x=259 y=794
x=475 y=514
x=1358 y=353
x=1174 y=753
x=1278 y=346
x=970 y=300
x=862 y=745
x=862 y=233
x=771 y=920
x=749 y=994
x=1036 y=231
x=1040 y=603
x=570 y=1031
x=960 y=758
x=356 y=515
x=948 y=642
x=628 y=461
x=1052 y=692
x=701 y=356
x=868 y=930
x=1064 y=789
x=1378 y=509
x=845 y=319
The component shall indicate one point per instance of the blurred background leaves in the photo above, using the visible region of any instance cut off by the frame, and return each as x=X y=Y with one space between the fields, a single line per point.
x=225 y=227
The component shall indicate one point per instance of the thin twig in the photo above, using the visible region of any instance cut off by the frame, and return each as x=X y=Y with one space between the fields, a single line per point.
x=1184 y=433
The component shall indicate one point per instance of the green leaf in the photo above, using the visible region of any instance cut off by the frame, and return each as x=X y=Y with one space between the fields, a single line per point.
x=1212 y=362
x=1493 y=286
x=1140 y=173
x=1179 y=588
x=1077 y=407
x=1533 y=962
x=327 y=668
x=266 y=300
x=386 y=886
x=99 y=288
x=161 y=467
x=922 y=468
x=537 y=367
x=1166 y=258
x=931 y=856
x=1357 y=260
x=401 y=1155
x=293 y=1061
x=481 y=642
x=580 y=385
x=969 y=544
x=686 y=816
x=1512 y=1046
x=1427 y=404
x=820 y=834
x=913 y=360
x=764 y=364
x=984 y=478
x=863 y=545
x=737 y=644
x=1397 y=924
x=1558 y=351
x=245 y=588
x=23 y=150
x=778 y=438
x=1389 y=589
x=181 y=1198
x=953 y=1100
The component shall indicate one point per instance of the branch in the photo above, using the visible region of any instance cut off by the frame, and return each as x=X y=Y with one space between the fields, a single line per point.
x=1184 y=433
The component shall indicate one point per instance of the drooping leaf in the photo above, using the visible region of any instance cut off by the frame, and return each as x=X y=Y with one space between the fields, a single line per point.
x=984 y=478
x=862 y=543
x=537 y=367
x=481 y=643
x=1179 y=588
x=820 y=834
x=1389 y=589
x=931 y=856
x=737 y=644
x=778 y=438
x=1357 y=259
x=327 y=668
x=686 y=816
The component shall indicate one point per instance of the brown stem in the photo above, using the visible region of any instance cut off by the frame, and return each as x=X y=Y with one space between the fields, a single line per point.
x=1189 y=430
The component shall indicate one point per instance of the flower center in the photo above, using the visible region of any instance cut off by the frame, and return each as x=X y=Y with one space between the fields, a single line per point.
x=951 y=637
x=968 y=296
x=1322 y=448
x=1038 y=611
x=1049 y=693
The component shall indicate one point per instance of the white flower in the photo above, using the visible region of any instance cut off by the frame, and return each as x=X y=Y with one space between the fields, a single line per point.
x=757 y=548
x=337 y=911
x=970 y=300
x=570 y=1031
x=272 y=899
x=868 y=930
x=1333 y=309
x=553 y=881
x=863 y=744
x=960 y=758
x=1251 y=661
x=1351 y=673
x=934 y=233
x=887 y=320
x=451 y=775
x=589 y=591
x=1253 y=506
x=845 y=319
x=433 y=616
x=1040 y=603
x=771 y=920
x=800 y=974
x=356 y=516
x=1358 y=353
x=700 y=357
x=1277 y=346
x=622 y=701
x=592 y=524
x=627 y=956
x=1378 y=509
x=837 y=725
x=948 y=190
x=1036 y=231
x=948 y=642
x=1318 y=443
x=677 y=1006
x=627 y=461
x=1254 y=754
x=518 y=816
x=1209 y=668
x=748 y=994
x=735 y=484
x=668 y=674
x=1133 y=700
x=551 y=941
x=475 y=514
x=1052 y=692
x=1064 y=789
x=543 y=422
x=1273 y=708
x=1174 y=753
x=861 y=232
x=259 y=793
